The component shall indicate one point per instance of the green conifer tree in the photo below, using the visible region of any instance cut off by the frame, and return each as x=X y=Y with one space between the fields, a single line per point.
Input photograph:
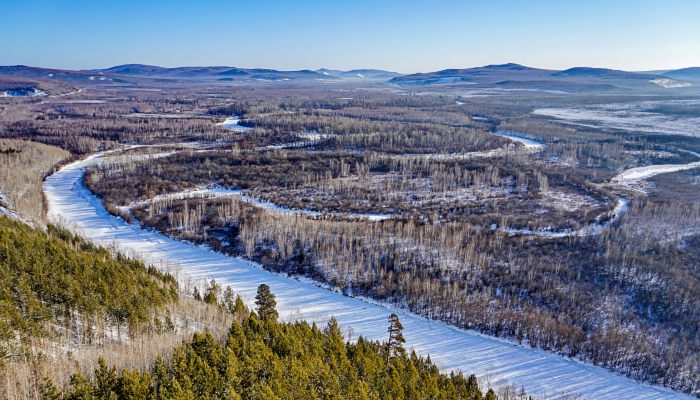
x=266 y=304
x=396 y=340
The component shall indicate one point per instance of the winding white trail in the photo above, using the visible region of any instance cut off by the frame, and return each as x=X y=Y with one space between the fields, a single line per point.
x=593 y=229
x=634 y=175
x=543 y=374
x=219 y=192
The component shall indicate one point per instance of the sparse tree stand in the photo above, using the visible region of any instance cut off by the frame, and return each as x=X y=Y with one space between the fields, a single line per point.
x=266 y=304
x=396 y=340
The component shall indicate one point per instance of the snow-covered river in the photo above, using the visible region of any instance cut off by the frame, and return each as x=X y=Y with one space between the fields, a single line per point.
x=543 y=375
x=234 y=124
x=219 y=192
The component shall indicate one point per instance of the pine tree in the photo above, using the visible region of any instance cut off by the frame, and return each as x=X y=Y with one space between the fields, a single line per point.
x=265 y=301
x=212 y=294
x=396 y=340
x=196 y=295
x=240 y=310
x=106 y=379
x=49 y=391
x=229 y=301
x=491 y=395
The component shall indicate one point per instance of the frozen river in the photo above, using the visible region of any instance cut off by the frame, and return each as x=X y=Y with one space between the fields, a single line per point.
x=543 y=374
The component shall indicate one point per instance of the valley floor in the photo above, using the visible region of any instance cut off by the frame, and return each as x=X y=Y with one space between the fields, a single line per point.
x=494 y=361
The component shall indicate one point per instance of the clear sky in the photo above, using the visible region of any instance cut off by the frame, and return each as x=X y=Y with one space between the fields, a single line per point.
x=400 y=35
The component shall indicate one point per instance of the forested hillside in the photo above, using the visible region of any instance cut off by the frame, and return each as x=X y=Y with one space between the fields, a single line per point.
x=264 y=359
x=65 y=302
x=57 y=280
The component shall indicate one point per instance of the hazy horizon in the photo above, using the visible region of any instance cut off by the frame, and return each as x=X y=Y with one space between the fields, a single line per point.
x=414 y=36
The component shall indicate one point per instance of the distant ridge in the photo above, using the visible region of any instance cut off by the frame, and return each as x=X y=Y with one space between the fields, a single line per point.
x=692 y=73
x=486 y=74
x=505 y=77
x=602 y=73
x=513 y=76
x=210 y=73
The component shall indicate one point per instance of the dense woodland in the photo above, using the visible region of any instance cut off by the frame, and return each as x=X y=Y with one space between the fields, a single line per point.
x=264 y=359
x=548 y=293
x=57 y=279
x=65 y=303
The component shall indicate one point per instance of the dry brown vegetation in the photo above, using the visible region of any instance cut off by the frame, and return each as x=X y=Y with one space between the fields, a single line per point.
x=61 y=357
x=24 y=165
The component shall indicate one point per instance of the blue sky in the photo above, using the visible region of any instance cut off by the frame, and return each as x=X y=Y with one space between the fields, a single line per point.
x=405 y=36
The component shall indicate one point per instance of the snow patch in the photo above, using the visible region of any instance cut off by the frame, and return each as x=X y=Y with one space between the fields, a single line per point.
x=25 y=92
x=634 y=175
x=233 y=123
x=632 y=117
x=669 y=83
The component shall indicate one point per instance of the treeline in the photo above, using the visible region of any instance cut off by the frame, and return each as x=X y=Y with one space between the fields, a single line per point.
x=265 y=359
x=55 y=279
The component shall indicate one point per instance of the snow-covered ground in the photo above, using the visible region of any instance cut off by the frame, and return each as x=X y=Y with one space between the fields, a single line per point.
x=219 y=192
x=669 y=83
x=307 y=139
x=588 y=230
x=629 y=178
x=33 y=92
x=233 y=123
x=634 y=175
x=543 y=375
x=4 y=210
x=633 y=117
x=530 y=144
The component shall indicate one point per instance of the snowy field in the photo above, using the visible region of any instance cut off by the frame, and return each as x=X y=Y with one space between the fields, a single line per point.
x=634 y=175
x=633 y=117
x=233 y=123
x=543 y=375
x=529 y=144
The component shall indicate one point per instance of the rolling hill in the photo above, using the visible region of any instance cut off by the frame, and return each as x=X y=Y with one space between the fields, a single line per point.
x=518 y=77
x=691 y=73
x=209 y=73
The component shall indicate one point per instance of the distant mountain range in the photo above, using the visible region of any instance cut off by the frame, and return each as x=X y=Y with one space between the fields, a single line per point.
x=516 y=76
x=128 y=72
x=208 y=73
x=497 y=77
